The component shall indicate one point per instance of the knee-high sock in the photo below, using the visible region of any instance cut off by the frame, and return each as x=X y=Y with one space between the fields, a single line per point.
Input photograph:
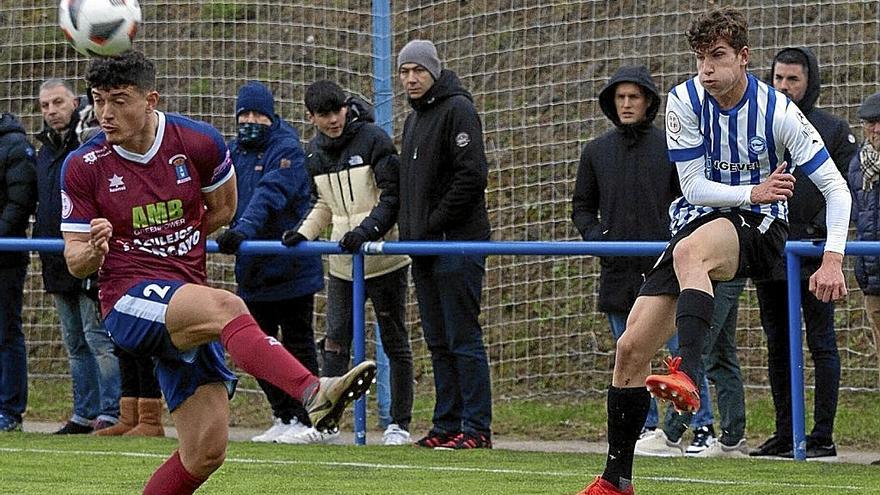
x=693 y=316
x=172 y=479
x=627 y=410
x=265 y=358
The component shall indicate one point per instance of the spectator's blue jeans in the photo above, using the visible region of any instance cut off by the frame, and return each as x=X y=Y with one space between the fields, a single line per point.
x=13 y=358
x=704 y=417
x=448 y=289
x=94 y=368
x=722 y=368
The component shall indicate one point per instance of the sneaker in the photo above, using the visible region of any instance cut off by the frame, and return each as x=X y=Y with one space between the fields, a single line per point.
x=876 y=463
x=601 y=487
x=71 y=428
x=434 y=439
x=395 y=435
x=101 y=424
x=657 y=444
x=675 y=386
x=464 y=441
x=720 y=449
x=704 y=436
x=8 y=423
x=774 y=446
x=820 y=448
x=329 y=401
x=308 y=435
x=278 y=428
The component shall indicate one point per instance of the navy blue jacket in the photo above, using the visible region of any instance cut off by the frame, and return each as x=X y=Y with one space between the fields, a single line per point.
x=274 y=194
x=56 y=147
x=18 y=186
x=866 y=215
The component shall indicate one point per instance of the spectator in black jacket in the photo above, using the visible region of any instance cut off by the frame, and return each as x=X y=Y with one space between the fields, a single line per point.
x=795 y=72
x=443 y=178
x=18 y=196
x=94 y=369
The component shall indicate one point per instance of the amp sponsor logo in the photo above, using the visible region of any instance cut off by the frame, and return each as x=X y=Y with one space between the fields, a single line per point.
x=156 y=214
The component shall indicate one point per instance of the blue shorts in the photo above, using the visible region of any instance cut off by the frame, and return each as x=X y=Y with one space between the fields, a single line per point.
x=137 y=324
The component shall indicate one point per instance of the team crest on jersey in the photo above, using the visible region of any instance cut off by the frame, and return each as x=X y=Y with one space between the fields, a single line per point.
x=757 y=145
x=462 y=139
x=673 y=123
x=180 y=168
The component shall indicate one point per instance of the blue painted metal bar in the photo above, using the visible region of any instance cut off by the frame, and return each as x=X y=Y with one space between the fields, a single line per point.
x=796 y=355
x=358 y=345
x=382 y=69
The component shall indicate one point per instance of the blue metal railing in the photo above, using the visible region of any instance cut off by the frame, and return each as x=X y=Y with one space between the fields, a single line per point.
x=794 y=251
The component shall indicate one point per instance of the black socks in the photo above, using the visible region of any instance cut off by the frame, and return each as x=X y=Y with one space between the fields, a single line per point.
x=627 y=410
x=693 y=316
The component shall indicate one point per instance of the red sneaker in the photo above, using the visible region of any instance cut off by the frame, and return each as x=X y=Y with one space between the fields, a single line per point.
x=602 y=487
x=675 y=387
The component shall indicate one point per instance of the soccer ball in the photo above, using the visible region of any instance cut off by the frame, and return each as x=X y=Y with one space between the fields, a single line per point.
x=99 y=27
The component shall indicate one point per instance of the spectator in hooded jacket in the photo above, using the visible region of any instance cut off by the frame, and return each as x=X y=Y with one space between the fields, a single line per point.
x=273 y=196
x=18 y=196
x=443 y=179
x=864 y=172
x=94 y=369
x=795 y=72
x=354 y=168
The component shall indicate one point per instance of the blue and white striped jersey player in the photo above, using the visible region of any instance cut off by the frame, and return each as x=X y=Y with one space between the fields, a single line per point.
x=735 y=142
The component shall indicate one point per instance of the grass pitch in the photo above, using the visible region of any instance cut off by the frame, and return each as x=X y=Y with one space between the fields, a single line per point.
x=39 y=464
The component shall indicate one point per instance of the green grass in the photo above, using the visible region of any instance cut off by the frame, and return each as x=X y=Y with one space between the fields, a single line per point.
x=79 y=465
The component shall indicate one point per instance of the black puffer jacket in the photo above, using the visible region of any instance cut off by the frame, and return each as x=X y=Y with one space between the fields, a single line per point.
x=443 y=170
x=806 y=207
x=624 y=186
x=18 y=186
x=50 y=158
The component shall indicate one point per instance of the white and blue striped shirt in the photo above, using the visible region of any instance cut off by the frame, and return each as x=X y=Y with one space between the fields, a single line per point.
x=738 y=147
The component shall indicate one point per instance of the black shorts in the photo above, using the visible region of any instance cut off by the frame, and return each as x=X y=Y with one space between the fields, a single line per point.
x=760 y=250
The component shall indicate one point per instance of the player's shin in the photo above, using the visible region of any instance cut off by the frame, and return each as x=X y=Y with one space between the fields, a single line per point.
x=693 y=316
x=627 y=410
x=264 y=357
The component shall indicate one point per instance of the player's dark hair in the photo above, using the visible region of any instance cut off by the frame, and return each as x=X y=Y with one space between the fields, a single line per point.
x=323 y=97
x=726 y=24
x=130 y=68
x=793 y=56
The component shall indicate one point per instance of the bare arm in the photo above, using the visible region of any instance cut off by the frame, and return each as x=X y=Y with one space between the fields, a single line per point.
x=85 y=253
x=221 y=204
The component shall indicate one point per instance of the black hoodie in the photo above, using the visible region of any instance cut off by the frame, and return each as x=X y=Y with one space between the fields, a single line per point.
x=806 y=208
x=443 y=170
x=18 y=186
x=625 y=184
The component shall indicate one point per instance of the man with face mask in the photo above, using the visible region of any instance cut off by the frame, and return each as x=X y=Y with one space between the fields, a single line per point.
x=273 y=196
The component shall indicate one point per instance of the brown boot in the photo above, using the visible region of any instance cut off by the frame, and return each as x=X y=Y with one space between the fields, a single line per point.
x=149 y=419
x=128 y=418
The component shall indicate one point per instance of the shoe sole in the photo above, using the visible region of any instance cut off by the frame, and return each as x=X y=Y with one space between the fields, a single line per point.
x=660 y=388
x=360 y=382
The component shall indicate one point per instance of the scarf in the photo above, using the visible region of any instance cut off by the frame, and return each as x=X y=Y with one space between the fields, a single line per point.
x=869 y=160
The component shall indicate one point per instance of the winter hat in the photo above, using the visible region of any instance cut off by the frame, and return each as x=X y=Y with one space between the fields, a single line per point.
x=870 y=109
x=421 y=52
x=254 y=96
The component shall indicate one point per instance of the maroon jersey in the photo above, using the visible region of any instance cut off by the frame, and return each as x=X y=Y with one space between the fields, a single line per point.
x=154 y=202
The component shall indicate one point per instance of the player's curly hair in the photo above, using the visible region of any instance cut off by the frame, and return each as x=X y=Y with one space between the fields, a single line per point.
x=129 y=68
x=726 y=24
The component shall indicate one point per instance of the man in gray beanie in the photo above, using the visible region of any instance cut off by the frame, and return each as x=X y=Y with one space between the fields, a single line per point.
x=443 y=178
x=864 y=172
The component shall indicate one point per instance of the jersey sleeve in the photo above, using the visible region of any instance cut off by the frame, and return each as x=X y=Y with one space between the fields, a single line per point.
x=802 y=140
x=683 y=138
x=79 y=203
x=213 y=161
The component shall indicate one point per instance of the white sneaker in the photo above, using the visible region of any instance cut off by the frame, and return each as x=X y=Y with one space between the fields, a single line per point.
x=718 y=449
x=395 y=435
x=277 y=429
x=656 y=444
x=306 y=435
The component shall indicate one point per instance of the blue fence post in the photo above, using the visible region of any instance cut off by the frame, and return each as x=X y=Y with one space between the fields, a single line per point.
x=357 y=302
x=382 y=70
x=796 y=355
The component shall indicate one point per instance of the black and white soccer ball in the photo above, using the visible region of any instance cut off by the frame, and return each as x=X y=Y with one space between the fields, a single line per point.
x=99 y=27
